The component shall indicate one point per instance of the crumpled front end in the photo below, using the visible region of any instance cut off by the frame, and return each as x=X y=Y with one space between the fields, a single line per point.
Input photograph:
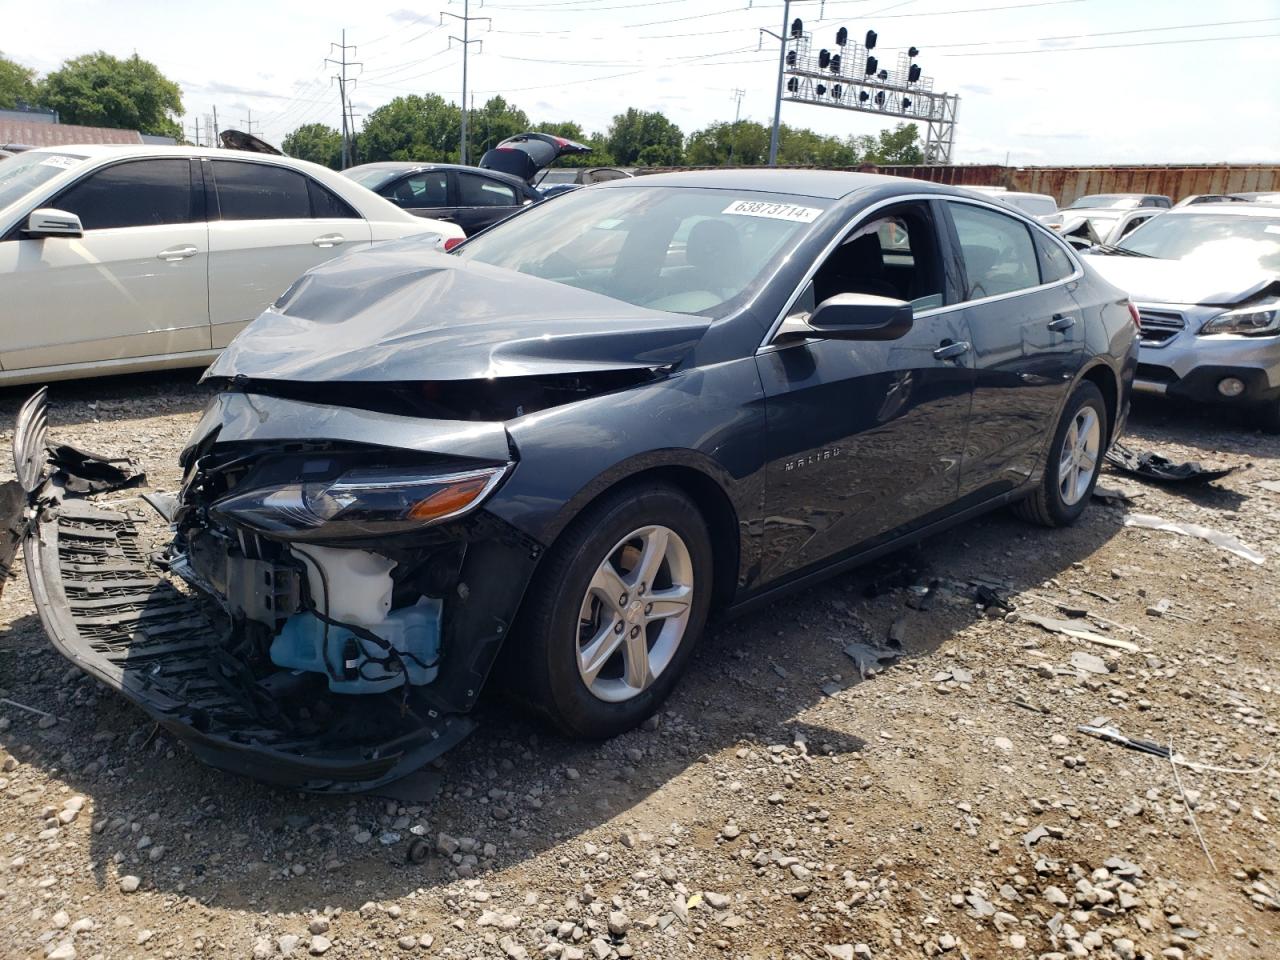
x=330 y=603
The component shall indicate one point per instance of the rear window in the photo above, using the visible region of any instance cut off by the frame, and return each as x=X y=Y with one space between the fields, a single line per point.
x=260 y=191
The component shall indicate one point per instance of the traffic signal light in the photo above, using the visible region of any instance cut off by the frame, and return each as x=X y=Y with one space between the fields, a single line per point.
x=791 y=58
x=824 y=59
x=842 y=37
x=835 y=63
x=872 y=66
x=914 y=73
x=797 y=27
x=871 y=39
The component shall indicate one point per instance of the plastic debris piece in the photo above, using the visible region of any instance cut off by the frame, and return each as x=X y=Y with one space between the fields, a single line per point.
x=1088 y=662
x=1217 y=538
x=1152 y=466
x=1272 y=485
x=1112 y=735
x=1079 y=629
x=869 y=660
x=1112 y=495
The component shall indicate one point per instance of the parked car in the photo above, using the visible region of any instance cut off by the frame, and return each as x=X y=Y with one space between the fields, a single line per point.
x=1196 y=198
x=1119 y=201
x=1039 y=205
x=1206 y=280
x=528 y=154
x=1091 y=227
x=468 y=196
x=555 y=180
x=1258 y=197
x=115 y=259
x=569 y=442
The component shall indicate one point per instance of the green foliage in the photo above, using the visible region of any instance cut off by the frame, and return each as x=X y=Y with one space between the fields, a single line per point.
x=804 y=147
x=316 y=142
x=412 y=128
x=492 y=124
x=745 y=143
x=899 y=145
x=99 y=90
x=648 y=139
x=16 y=83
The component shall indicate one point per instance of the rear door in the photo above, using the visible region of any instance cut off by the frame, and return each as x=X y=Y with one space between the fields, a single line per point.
x=481 y=201
x=424 y=193
x=133 y=285
x=1028 y=342
x=269 y=224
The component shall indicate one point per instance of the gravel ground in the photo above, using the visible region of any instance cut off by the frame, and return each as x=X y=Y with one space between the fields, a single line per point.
x=780 y=807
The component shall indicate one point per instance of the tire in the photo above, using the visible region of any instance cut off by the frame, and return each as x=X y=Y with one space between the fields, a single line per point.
x=565 y=616
x=1050 y=505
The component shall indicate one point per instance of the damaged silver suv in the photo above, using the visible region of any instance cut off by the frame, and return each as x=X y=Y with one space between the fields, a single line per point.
x=551 y=453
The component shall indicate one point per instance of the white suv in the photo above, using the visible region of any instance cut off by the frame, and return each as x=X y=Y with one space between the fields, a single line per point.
x=116 y=259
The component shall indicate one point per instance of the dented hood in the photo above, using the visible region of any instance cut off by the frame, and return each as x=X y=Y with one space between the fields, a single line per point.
x=1149 y=280
x=399 y=312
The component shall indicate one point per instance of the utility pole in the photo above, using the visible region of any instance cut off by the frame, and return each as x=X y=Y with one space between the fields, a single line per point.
x=737 y=117
x=213 y=134
x=342 y=80
x=249 y=121
x=466 y=42
x=196 y=141
x=777 y=97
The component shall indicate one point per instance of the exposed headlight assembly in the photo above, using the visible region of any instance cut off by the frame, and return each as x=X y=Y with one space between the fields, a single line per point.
x=360 y=503
x=1260 y=320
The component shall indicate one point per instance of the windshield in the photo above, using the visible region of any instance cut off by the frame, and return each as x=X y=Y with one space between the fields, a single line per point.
x=371 y=177
x=1222 y=239
x=1101 y=200
x=676 y=249
x=21 y=174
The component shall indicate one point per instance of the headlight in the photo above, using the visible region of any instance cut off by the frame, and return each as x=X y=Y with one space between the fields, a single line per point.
x=359 y=503
x=1257 y=321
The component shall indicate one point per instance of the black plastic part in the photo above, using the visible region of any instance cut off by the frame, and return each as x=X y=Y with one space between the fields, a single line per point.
x=13 y=502
x=1201 y=386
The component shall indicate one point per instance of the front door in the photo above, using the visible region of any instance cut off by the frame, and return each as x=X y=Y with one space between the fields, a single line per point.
x=424 y=193
x=482 y=201
x=865 y=437
x=268 y=226
x=1028 y=342
x=134 y=285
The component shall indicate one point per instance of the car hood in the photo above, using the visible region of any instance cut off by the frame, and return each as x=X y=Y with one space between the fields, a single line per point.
x=399 y=312
x=1181 y=281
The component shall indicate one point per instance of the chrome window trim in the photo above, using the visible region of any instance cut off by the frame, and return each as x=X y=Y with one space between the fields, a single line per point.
x=937 y=311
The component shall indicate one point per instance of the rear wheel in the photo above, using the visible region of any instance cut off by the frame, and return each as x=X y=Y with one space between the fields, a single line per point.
x=1267 y=416
x=1074 y=461
x=614 y=612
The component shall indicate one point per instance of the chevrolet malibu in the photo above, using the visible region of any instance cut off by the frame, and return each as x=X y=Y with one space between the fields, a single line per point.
x=551 y=455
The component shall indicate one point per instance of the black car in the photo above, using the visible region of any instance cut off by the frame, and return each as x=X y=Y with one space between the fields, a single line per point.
x=468 y=196
x=554 y=453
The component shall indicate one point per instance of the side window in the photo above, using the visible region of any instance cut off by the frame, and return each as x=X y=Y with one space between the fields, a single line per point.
x=260 y=191
x=998 y=254
x=482 y=192
x=894 y=254
x=1133 y=225
x=325 y=204
x=139 y=193
x=429 y=189
x=1055 y=264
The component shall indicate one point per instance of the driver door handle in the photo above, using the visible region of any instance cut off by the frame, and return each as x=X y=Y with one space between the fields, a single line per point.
x=1062 y=321
x=951 y=349
x=174 y=254
x=329 y=240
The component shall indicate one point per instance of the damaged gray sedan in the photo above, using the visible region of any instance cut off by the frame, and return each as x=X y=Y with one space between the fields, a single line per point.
x=549 y=455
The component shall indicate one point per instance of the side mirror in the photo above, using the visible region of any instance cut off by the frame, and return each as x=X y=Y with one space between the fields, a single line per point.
x=861 y=316
x=48 y=222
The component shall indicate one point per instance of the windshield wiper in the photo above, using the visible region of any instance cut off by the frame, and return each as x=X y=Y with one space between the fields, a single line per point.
x=1113 y=250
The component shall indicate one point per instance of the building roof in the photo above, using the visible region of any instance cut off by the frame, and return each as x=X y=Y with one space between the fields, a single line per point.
x=36 y=134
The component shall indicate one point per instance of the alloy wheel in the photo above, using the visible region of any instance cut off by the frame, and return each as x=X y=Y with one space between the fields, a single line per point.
x=634 y=613
x=1078 y=460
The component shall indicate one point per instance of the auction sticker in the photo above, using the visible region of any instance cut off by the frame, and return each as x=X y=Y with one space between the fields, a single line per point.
x=58 y=160
x=774 y=211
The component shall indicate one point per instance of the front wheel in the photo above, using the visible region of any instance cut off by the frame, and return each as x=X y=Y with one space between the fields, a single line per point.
x=614 y=612
x=1074 y=461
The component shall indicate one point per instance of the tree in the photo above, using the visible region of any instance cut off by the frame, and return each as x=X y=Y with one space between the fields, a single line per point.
x=17 y=83
x=599 y=155
x=745 y=143
x=316 y=142
x=492 y=124
x=807 y=148
x=98 y=90
x=412 y=128
x=899 y=145
x=650 y=139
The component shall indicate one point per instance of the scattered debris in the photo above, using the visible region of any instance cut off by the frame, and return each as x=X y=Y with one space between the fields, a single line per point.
x=83 y=472
x=1159 y=608
x=1152 y=466
x=870 y=660
x=1217 y=538
x=1113 y=735
x=23 y=706
x=1190 y=812
x=1078 y=629
x=1272 y=485
x=1088 y=662
x=1114 y=495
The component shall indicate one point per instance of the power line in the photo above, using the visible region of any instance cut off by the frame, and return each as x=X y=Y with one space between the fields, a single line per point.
x=466 y=42
x=348 y=121
x=1110 y=46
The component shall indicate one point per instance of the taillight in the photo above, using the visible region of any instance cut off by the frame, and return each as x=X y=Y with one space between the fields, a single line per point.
x=452 y=242
x=1133 y=314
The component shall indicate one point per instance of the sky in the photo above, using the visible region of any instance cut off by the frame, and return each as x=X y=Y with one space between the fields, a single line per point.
x=1040 y=81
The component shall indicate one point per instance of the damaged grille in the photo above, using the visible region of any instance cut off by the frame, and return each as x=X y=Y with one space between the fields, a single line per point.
x=1159 y=326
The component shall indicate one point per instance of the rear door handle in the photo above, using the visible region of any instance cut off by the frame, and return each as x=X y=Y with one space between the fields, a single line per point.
x=329 y=240
x=174 y=254
x=951 y=350
x=1062 y=321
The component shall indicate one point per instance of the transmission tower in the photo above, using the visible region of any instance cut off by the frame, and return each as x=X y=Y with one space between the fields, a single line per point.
x=348 y=119
x=466 y=42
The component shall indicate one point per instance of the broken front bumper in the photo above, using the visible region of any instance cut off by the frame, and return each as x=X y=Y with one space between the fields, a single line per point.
x=119 y=617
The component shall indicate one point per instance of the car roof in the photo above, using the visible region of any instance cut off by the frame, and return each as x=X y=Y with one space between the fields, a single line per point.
x=409 y=166
x=1247 y=209
x=821 y=184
